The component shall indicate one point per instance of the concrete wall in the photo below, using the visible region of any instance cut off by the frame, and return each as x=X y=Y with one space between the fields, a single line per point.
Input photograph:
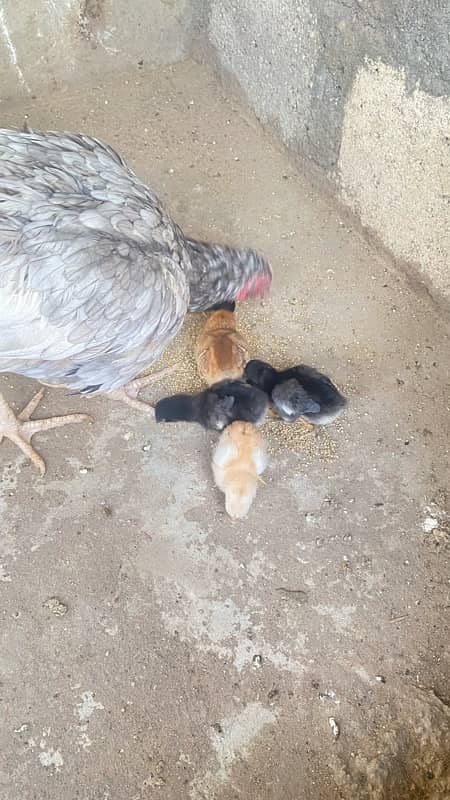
x=42 y=41
x=362 y=88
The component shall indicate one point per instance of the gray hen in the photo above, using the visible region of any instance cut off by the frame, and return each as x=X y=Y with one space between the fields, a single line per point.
x=95 y=278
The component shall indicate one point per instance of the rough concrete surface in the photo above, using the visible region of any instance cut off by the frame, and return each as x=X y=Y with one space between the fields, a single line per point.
x=309 y=52
x=394 y=168
x=43 y=42
x=186 y=657
x=302 y=67
x=272 y=49
x=362 y=88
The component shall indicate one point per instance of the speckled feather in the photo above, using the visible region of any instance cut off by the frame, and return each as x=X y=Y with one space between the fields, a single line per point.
x=95 y=278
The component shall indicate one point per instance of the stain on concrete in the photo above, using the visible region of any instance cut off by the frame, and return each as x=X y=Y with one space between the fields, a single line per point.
x=88 y=705
x=232 y=739
x=187 y=569
x=50 y=757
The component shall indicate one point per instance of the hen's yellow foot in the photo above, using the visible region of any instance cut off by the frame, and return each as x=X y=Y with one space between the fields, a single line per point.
x=19 y=428
x=129 y=393
x=308 y=426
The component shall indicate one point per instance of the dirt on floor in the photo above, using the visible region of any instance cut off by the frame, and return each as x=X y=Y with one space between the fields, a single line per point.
x=150 y=647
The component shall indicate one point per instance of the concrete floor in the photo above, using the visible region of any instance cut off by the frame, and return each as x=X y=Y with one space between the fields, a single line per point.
x=183 y=667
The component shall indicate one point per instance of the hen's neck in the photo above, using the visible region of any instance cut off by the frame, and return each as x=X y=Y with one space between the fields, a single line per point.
x=217 y=272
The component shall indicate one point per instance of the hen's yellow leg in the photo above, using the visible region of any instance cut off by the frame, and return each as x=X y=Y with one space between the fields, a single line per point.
x=308 y=426
x=129 y=393
x=19 y=428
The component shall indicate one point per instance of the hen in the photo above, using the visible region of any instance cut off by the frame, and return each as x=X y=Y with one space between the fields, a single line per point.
x=95 y=277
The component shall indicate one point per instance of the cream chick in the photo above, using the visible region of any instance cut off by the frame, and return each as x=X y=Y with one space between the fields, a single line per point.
x=238 y=461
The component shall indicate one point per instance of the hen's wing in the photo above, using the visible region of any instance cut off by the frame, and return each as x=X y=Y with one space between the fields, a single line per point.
x=92 y=270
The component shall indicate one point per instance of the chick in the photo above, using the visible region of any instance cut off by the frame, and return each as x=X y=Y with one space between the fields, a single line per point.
x=216 y=407
x=221 y=351
x=297 y=392
x=238 y=461
x=225 y=306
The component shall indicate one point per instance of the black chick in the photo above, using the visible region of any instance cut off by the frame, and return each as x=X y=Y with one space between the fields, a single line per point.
x=225 y=306
x=297 y=392
x=217 y=407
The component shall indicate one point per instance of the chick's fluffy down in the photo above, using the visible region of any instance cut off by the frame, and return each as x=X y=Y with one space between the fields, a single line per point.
x=221 y=352
x=239 y=458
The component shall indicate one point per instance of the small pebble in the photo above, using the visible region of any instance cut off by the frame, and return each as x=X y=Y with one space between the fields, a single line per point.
x=257 y=661
x=273 y=695
x=334 y=727
x=58 y=608
x=22 y=728
x=330 y=695
x=217 y=727
x=380 y=678
x=429 y=524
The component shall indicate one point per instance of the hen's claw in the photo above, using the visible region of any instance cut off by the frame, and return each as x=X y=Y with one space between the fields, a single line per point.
x=308 y=426
x=19 y=428
x=129 y=393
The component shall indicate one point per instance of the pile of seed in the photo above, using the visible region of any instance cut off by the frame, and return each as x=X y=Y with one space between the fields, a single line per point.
x=255 y=327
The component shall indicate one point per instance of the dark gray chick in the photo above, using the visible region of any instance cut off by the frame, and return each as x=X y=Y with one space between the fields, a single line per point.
x=217 y=407
x=296 y=392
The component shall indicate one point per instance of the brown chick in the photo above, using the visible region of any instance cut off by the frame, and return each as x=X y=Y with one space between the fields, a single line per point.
x=221 y=352
x=238 y=461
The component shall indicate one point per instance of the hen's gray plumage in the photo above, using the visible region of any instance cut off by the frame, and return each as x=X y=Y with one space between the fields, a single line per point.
x=93 y=273
x=95 y=278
